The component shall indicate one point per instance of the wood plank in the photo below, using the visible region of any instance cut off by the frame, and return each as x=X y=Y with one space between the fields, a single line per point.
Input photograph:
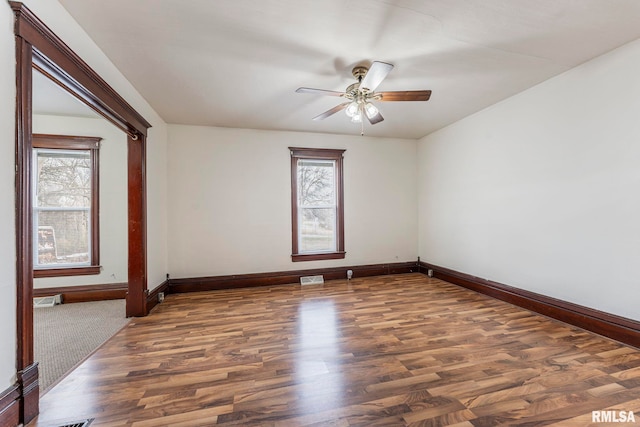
x=392 y=350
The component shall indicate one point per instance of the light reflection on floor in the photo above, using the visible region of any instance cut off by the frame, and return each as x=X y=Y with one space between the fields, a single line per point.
x=317 y=366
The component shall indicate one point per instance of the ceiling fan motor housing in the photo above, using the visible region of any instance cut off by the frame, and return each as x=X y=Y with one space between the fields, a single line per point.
x=359 y=72
x=361 y=93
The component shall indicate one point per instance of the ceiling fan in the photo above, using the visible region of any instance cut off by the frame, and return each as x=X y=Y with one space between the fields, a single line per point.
x=361 y=94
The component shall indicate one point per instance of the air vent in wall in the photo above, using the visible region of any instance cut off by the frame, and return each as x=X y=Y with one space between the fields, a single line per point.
x=83 y=423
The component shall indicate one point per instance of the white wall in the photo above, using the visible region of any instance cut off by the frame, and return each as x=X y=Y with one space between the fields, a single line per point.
x=542 y=191
x=56 y=17
x=230 y=200
x=157 y=225
x=113 y=196
x=7 y=200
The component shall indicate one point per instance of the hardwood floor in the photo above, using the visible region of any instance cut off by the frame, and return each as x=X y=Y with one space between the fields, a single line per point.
x=383 y=351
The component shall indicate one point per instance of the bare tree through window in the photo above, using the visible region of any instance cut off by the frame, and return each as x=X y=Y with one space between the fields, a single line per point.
x=317 y=207
x=65 y=205
x=317 y=204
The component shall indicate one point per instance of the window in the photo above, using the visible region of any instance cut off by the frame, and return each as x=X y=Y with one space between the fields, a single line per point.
x=317 y=213
x=65 y=205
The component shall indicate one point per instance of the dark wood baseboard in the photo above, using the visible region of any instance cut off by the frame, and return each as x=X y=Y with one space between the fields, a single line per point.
x=609 y=325
x=197 y=284
x=10 y=406
x=152 y=297
x=29 y=388
x=85 y=293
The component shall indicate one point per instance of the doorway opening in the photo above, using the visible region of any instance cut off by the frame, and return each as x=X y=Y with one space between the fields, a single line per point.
x=37 y=47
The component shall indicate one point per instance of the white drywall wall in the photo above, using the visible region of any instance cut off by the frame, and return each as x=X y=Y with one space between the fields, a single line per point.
x=230 y=200
x=542 y=191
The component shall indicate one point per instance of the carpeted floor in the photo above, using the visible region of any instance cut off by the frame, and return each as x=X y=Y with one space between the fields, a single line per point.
x=66 y=334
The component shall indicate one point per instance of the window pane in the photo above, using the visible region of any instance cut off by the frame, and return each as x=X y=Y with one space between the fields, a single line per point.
x=317 y=230
x=316 y=182
x=63 y=237
x=317 y=222
x=64 y=179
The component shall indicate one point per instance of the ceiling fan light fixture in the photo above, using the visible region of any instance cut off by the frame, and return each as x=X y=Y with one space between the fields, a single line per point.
x=370 y=110
x=352 y=109
x=359 y=95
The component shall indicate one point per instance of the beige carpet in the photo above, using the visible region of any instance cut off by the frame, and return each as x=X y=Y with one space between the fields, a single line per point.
x=66 y=334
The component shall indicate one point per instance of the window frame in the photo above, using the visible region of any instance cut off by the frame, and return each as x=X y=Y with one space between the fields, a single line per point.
x=337 y=156
x=69 y=143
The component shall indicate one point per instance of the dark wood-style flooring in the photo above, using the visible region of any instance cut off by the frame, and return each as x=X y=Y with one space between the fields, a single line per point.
x=383 y=351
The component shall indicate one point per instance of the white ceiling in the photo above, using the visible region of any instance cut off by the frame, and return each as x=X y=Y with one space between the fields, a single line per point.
x=237 y=63
x=51 y=99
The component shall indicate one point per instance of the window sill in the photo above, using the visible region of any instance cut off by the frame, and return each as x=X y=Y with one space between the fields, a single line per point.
x=317 y=257
x=68 y=271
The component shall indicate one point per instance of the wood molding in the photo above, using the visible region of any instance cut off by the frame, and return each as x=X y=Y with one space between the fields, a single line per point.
x=137 y=220
x=10 y=406
x=24 y=248
x=66 y=142
x=197 y=284
x=318 y=256
x=152 y=298
x=337 y=156
x=38 y=47
x=85 y=293
x=69 y=271
x=84 y=143
x=609 y=325
x=67 y=69
x=29 y=387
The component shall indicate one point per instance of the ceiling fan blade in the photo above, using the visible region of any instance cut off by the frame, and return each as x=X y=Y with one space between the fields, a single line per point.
x=407 y=95
x=375 y=119
x=332 y=111
x=376 y=74
x=319 y=91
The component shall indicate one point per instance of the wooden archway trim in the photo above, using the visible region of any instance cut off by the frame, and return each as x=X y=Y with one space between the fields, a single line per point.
x=37 y=46
x=68 y=69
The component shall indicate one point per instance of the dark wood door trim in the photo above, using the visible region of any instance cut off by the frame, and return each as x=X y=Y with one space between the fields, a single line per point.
x=38 y=47
x=137 y=205
x=23 y=204
x=24 y=253
x=56 y=60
